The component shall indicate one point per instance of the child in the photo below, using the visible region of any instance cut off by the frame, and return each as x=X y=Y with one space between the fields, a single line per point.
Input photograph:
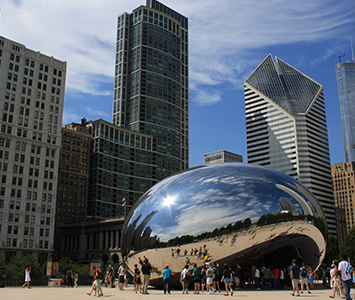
x=97 y=287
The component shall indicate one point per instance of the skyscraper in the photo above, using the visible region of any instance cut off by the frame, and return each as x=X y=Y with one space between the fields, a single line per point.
x=345 y=74
x=151 y=82
x=287 y=130
x=31 y=96
x=343 y=184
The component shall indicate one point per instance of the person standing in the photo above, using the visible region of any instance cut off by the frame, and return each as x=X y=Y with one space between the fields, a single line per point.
x=257 y=278
x=70 y=278
x=196 y=277
x=345 y=276
x=209 y=279
x=146 y=270
x=295 y=278
x=110 y=276
x=304 y=278
x=335 y=281
x=27 y=277
x=227 y=279
x=121 y=274
x=185 y=279
x=76 y=279
x=167 y=279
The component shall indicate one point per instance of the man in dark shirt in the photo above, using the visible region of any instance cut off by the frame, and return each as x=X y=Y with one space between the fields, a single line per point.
x=146 y=269
x=295 y=277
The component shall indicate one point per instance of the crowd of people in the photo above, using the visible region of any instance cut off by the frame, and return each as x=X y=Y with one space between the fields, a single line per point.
x=211 y=278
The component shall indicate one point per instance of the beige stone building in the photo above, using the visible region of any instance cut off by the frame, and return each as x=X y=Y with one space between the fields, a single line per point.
x=31 y=108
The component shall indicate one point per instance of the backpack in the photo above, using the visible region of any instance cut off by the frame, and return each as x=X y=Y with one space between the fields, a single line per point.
x=303 y=272
x=349 y=268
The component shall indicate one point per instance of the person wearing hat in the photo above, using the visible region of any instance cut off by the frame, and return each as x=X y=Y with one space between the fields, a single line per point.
x=167 y=279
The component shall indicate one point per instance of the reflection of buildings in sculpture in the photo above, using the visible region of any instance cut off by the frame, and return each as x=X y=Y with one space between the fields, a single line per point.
x=285 y=205
x=287 y=128
x=133 y=235
x=274 y=243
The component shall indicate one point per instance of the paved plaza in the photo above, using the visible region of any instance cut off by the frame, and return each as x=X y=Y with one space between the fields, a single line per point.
x=59 y=293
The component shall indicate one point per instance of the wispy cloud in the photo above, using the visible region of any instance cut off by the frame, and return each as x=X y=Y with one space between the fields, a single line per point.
x=224 y=36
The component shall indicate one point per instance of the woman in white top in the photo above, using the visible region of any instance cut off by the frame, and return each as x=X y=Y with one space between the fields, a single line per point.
x=335 y=281
x=27 y=277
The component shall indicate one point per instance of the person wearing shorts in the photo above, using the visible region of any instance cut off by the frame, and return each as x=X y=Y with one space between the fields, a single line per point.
x=227 y=279
x=209 y=279
x=295 y=278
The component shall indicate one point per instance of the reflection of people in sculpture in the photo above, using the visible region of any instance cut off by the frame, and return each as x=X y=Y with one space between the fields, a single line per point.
x=146 y=270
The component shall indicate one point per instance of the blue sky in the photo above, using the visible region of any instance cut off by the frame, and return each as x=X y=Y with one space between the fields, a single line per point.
x=228 y=40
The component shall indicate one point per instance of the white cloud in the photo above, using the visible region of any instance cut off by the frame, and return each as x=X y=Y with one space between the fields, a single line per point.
x=224 y=36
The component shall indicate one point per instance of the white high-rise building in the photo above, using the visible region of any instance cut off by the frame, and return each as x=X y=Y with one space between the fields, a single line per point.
x=287 y=129
x=31 y=108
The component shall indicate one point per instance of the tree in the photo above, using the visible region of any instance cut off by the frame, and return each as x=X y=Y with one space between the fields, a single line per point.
x=349 y=245
x=332 y=251
x=15 y=269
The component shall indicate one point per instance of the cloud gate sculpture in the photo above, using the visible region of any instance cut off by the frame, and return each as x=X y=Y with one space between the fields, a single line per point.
x=236 y=213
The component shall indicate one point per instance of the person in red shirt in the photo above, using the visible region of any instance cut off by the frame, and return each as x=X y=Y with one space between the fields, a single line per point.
x=276 y=272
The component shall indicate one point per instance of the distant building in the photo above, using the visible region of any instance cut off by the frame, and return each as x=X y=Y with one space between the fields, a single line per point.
x=73 y=174
x=344 y=188
x=221 y=156
x=287 y=128
x=32 y=95
x=345 y=74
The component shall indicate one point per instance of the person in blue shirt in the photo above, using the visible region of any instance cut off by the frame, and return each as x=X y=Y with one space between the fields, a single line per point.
x=167 y=279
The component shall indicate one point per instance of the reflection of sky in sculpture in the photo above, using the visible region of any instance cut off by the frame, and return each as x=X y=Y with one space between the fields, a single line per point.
x=211 y=196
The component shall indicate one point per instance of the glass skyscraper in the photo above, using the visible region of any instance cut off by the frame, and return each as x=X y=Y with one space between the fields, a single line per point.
x=151 y=82
x=345 y=74
x=287 y=129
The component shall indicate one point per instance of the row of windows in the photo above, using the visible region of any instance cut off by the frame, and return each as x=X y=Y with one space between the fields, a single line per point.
x=14 y=242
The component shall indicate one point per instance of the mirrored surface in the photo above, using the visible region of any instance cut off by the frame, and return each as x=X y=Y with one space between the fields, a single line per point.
x=222 y=201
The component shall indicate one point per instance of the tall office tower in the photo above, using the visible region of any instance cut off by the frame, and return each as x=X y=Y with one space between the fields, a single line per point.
x=287 y=130
x=31 y=97
x=221 y=156
x=151 y=92
x=345 y=74
x=343 y=184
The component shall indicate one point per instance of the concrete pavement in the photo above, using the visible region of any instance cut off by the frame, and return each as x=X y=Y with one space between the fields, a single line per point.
x=59 y=293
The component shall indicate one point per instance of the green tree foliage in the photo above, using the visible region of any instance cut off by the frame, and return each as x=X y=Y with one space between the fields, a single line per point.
x=15 y=270
x=348 y=246
x=332 y=251
x=65 y=264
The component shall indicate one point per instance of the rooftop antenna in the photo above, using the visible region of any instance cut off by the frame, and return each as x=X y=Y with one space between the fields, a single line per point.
x=340 y=56
x=352 y=46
